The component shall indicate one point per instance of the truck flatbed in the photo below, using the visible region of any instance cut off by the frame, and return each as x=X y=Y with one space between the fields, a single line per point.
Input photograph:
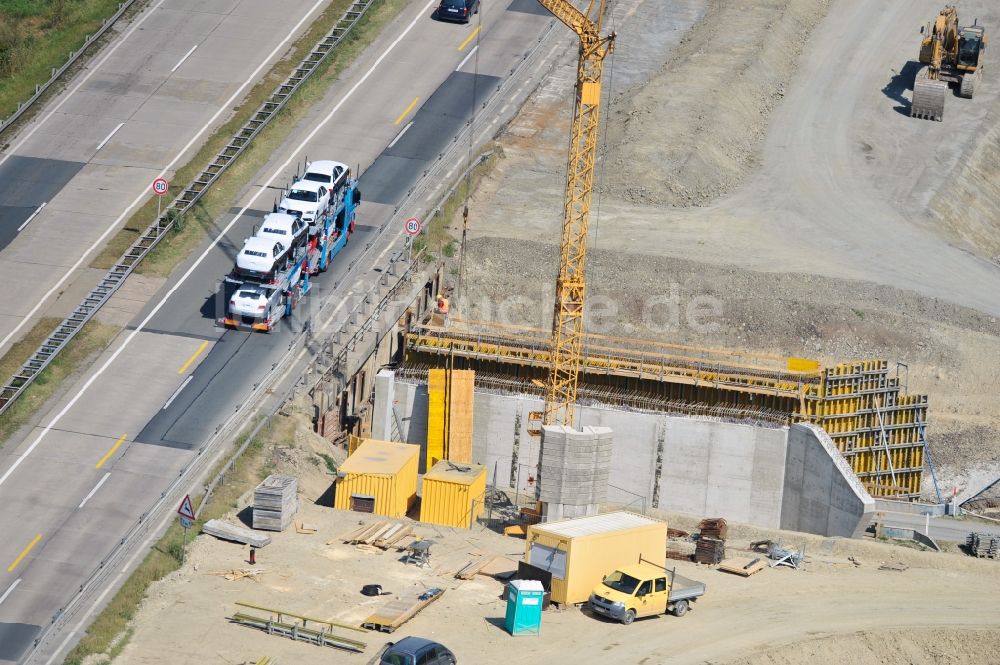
x=684 y=588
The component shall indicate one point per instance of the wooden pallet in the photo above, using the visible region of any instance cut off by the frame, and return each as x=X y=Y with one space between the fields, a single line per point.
x=396 y=612
x=744 y=566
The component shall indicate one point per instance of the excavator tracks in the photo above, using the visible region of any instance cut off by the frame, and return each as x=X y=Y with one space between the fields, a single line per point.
x=928 y=97
x=970 y=82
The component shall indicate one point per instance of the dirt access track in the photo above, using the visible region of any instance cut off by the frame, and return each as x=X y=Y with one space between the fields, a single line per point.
x=766 y=164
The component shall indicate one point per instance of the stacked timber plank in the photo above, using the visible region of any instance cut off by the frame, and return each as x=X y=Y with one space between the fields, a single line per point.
x=384 y=535
x=713 y=527
x=275 y=502
x=984 y=545
x=710 y=550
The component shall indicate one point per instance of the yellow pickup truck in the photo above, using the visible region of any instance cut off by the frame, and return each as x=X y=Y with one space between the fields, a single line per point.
x=642 y=590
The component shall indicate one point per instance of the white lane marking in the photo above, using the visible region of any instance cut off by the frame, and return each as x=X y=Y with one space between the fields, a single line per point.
x=186 y=56
x=94 y=491
x=224 y=108
x=466 y=58
x=178 y=391
x=222 y=234
x=447 y=176
x=31 y=217
x=400 y=135
x=108 y=138
x=9 y=590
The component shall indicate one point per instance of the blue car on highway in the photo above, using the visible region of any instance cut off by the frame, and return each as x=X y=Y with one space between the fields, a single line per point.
x=457 y=10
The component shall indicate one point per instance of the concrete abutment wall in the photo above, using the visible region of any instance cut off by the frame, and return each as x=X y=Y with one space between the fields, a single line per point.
x=774 y=477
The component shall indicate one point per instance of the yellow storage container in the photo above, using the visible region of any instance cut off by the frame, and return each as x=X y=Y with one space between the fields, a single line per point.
x=453 y=494
x=580 y=552
x=379 y=477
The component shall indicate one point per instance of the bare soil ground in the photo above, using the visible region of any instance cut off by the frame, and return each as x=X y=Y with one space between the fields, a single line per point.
x=763 y=189
x=830 y=610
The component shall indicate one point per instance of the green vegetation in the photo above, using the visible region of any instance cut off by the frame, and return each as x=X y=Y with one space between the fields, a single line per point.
x=331 y=464
x=37 y=36
x=90 y=341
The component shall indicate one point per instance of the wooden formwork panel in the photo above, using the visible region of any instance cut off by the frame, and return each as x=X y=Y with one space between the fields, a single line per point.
x=461 y=393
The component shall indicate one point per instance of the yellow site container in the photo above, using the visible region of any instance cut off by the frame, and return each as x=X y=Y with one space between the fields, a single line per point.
x=453 y=494
x=379 y=477
x=580 y=552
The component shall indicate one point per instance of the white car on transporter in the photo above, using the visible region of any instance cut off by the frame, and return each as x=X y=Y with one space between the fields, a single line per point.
x=289 y=230
x=261 y=259
x=307 y=199
x=332 y=175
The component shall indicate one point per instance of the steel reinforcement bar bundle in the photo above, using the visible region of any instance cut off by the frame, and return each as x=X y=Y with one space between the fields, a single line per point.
x=128 y=262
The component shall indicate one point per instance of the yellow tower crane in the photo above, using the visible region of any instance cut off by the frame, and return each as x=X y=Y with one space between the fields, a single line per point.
x=571 y=284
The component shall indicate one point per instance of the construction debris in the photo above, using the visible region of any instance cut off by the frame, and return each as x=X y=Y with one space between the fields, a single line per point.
x=240 y=574
x=302 y=527
x=893 y=566
x=238 y=534
x=396 y=612
x=983 y=545
x=275 y=502
x=779 y=556
x=709 y=550
x=743 y=566
x=713 y=527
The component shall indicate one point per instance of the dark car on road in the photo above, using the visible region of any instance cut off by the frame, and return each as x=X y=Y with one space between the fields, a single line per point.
x=417 y=651
x=457 y=10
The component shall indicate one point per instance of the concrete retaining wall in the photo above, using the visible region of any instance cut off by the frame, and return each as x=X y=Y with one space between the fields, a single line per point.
x=822 y=495
x=698 y=466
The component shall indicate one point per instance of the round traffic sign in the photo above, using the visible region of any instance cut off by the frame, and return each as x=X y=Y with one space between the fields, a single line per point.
x=160 y=186
x=412 y=226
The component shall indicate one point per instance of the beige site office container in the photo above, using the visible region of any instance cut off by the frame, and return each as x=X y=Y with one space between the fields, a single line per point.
x=579 y=552
x=379 y=477
x=453 y=494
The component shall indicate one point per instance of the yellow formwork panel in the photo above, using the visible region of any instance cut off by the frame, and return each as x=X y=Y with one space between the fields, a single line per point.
x=437 y=417
x=461 y=397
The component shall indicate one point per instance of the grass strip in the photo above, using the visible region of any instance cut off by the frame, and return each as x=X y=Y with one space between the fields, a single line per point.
x=36 y=36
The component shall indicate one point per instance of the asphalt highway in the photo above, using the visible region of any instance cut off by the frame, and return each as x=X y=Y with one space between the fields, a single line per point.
x=139 y=109
x=120 y=435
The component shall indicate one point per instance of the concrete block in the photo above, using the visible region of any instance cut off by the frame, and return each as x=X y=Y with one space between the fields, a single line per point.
x=382 y=409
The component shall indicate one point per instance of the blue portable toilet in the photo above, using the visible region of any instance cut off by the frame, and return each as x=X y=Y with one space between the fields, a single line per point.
x=524 y=607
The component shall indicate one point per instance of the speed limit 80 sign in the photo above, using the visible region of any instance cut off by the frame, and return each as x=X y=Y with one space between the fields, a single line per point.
x=412 y=226
x=160 y=186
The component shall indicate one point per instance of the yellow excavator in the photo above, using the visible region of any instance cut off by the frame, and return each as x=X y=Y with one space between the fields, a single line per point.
x=950 y=54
